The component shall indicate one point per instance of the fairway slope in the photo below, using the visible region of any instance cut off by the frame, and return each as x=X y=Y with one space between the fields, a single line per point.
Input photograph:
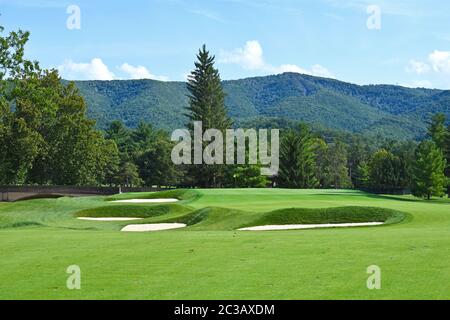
x=210 y=259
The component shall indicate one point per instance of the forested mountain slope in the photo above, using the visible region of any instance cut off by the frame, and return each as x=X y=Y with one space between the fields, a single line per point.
x=391 y=111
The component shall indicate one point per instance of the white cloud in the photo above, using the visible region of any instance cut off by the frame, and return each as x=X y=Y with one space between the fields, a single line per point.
x=94 y=70
x=418 y=67
x=321 y=71
x=438 y=62
x=251 y=57
x=139 y=72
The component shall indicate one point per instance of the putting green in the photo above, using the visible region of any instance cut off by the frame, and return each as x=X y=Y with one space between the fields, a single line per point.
x=210 y=260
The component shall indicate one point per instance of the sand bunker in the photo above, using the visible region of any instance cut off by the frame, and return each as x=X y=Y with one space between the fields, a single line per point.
x=147 y=201
x=310 y=226
x=152 y=227
x=110 y=219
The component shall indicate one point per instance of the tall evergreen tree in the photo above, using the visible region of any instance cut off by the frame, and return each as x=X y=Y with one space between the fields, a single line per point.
x=289 y=172
x=362 y=175
x=298 y=159
x=441 y=136
x=321 y=152
x=206 y=104
x=337 y=171
x=357 y=154
x=428 y=172
x=447 y=157
x=437 y=131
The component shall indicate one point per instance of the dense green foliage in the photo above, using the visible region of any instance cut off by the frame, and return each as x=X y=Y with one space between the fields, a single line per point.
x=44 y=133
x=390 y=111
x=298 y=160
x=440 y=135
x=387 y=171
x=428 y=173
x=144 y=155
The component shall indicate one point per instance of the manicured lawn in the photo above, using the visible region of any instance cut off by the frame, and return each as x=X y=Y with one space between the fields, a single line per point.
x=210 y=260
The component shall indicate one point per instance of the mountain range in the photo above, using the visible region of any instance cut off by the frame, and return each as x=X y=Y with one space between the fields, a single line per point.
x=285 y=99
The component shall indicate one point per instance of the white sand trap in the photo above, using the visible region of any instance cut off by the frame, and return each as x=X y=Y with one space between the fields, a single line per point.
x=152 y=227
x=310 y=226
x=147 y=201
x=110 y=219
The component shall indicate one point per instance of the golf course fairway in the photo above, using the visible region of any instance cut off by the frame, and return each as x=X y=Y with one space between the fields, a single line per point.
x=210 y=259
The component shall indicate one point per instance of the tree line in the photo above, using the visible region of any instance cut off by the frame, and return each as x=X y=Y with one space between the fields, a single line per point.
x=308 y=161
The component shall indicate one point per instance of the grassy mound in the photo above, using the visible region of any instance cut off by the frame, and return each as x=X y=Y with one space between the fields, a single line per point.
x=135 y=211
x=180 y=194
x=21 y=224
x=213 y=218
x=329 y=216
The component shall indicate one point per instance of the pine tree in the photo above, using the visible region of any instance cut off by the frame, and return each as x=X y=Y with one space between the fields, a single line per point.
x=337 y=171
x=428 y=172
x=441 y=136
x=298 y=159
x=447 y=157
x=206 y=104
x=321 y=151
x=362 y=175
x=437 y=131
x=289 y=173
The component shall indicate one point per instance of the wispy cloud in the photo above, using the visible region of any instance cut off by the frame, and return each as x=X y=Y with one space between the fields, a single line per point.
x=207 y=14
x=287 y=6
x=406 y=8
x=44 y=4
x=437 y=62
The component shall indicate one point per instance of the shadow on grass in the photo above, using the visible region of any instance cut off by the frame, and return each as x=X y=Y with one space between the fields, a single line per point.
x=386 y=197
x=400 y=198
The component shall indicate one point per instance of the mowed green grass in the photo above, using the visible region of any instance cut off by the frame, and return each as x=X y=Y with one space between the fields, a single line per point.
x=39 y=239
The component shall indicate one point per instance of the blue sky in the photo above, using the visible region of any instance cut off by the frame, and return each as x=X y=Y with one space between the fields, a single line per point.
x=409 y=45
